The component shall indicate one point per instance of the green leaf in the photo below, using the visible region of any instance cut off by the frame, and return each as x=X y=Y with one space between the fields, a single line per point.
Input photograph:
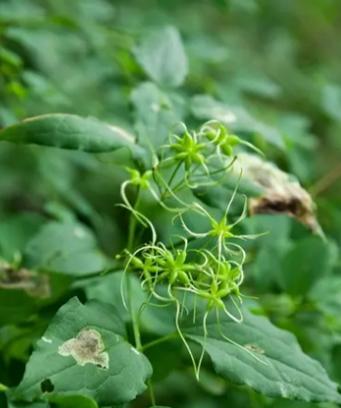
x=162 y=56
x=68 y=248
x=23 y=292
x=68 y=401
x=156 y=113
x=331 y=101
x=235 y=117
x=327 y=295
x=305 y=263
x=16 y=306
x=72 y=401
x=266 y=266
x=35 y=404
x=16 y=231
x=107 y=289
x=269 y=359
x=111 y=371
x=69 y=132
x=156 y=320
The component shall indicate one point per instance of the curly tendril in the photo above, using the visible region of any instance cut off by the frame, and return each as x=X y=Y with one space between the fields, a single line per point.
x=176 y=273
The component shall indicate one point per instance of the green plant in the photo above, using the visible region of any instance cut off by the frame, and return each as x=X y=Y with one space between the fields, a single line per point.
x=165 y=260
x=195 y=276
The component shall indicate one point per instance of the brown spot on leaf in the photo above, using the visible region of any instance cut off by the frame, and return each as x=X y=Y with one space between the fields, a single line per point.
x=86 y=347
x=254 y=348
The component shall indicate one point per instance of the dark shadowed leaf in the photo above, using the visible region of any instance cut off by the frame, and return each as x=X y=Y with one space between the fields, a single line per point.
x=35 y=404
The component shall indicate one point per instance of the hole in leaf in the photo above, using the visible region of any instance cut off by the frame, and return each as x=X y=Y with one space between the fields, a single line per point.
x=47 y=386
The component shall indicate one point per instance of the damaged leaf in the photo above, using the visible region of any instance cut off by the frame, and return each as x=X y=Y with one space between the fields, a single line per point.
x=281 y=192
x=84 y=351
x=34 y=284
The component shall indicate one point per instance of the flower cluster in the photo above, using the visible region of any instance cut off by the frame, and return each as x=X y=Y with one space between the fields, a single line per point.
x=213 y=273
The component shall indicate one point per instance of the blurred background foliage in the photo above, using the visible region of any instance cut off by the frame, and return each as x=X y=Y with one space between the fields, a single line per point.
x=274 y=64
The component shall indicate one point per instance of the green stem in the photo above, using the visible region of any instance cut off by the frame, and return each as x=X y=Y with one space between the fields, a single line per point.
x=171 y=179
x=130 y=247
x=132 y=223
x=151 y=392
x=177 y=167
x=160 y=340
x=152 y=344
x=134 y=318
x=179 y=186
x=181 y=242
